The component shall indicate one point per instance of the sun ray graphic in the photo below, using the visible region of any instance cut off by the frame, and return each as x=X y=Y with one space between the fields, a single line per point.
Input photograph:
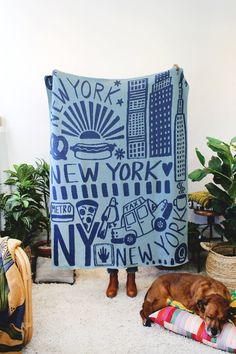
x=109 y=126
x=76 y=118
x=97 y=113
x=83 y=120
x=79 y=115
x=103 y=114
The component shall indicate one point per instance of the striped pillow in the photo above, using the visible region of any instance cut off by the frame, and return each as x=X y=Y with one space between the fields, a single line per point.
x=192 y=326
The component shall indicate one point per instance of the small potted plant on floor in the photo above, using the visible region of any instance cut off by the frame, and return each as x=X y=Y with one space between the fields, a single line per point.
x=221 y=261
x=25 y=207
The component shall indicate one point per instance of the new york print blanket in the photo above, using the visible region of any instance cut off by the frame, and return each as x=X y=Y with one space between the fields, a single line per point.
x=118 y=170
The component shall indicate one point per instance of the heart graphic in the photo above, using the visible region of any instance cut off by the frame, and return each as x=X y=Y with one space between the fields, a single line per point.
x=167 y=168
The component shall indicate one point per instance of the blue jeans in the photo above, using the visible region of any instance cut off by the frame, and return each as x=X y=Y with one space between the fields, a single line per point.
x=128 y=270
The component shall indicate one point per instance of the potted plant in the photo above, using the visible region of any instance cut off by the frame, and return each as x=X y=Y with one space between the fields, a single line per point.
x=25 y=207
x=43 y=248
x=221 y=261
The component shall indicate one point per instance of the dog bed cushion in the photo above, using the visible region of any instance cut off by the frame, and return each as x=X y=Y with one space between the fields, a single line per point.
x=179 y=320
x=192 y=326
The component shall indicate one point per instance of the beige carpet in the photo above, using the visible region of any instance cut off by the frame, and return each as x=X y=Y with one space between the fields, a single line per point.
x=80 y=319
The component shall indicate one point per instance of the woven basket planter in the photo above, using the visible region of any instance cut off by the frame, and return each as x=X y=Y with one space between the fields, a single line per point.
x=221 y=262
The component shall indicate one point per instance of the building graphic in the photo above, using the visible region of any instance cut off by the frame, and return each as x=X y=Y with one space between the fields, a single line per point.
x=160 y=115
x=180 y=138
x=136 y=119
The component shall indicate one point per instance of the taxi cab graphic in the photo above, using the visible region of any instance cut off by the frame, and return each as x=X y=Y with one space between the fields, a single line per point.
x=139 y=218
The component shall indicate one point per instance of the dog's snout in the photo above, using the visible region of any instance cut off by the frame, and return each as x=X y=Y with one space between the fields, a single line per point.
x=214 y=331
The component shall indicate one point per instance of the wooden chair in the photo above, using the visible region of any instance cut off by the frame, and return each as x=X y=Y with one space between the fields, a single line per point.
x=23 y=264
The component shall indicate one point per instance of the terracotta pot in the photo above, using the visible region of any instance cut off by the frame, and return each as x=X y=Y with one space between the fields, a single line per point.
x=43 y=250
x=221 y=262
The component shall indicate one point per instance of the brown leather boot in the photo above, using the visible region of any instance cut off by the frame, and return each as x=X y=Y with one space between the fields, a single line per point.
x=131 y=289
x=113 y=285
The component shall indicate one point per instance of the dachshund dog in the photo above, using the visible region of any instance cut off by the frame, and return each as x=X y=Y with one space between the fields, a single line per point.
x=207 y=297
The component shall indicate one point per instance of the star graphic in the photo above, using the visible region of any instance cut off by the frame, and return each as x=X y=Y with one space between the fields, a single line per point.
x=120 y=102
x=120 y=154
x=117 y=83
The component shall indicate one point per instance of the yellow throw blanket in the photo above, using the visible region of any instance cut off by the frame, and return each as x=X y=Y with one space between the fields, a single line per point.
x=12 y=302
x=180 y=306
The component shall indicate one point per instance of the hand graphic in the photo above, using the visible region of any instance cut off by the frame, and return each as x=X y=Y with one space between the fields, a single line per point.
x=103 y=254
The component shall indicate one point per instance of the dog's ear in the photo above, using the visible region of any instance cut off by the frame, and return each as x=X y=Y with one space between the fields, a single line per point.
x=198 y=306
x=201 y=304
x=232 y=315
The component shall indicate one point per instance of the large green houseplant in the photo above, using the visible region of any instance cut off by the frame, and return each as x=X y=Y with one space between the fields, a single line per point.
x=222 y=167
x=25 y=206
x=221 y=259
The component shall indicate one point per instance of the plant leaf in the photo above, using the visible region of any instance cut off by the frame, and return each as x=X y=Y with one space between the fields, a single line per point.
x=230 y=212
x=233 y=141
x=234 y=165
x=218 y=146
x=223 y=181
x=219 y=206
x=198 y=174
x=10 y=182
x=26 y=203
x=215 y=164
x=232 y=190
x=16 y=215
x=219 y=193
x=201 y=158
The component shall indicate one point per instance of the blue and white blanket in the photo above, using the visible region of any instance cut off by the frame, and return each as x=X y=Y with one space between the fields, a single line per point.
x=118 y=170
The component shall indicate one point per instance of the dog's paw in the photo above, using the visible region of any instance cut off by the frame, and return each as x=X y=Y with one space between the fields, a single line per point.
x=147 y=322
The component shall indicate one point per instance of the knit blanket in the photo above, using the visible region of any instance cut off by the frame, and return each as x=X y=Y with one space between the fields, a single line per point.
x=12 y=302
x=118 y=170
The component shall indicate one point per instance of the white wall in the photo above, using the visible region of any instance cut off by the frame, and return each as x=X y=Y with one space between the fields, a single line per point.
x=118 y=39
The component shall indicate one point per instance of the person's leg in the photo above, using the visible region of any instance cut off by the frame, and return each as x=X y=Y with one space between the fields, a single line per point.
x=131 y=288
x=113 y=283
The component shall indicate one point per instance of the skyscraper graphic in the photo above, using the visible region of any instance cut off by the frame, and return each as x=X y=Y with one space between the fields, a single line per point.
x=180 y=139
x=160 y=115
x=136 y=119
